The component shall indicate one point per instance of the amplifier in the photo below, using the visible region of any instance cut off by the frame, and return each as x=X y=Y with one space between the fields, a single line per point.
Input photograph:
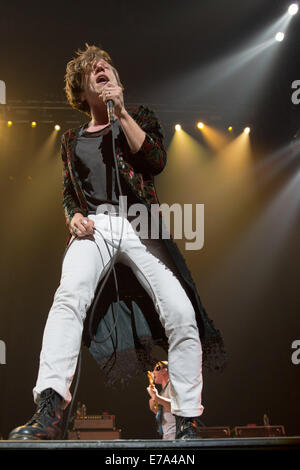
x=93 y=435
x=95 y=422
x=259 y=431
x=214 y=432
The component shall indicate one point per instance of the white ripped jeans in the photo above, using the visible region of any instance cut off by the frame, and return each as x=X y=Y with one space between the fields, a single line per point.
x=82 y=269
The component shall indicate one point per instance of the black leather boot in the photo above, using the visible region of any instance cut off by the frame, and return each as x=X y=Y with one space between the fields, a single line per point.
x=46 y=422
x=186 y=428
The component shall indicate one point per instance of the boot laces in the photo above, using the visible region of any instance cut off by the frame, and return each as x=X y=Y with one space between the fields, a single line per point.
x=45 y=407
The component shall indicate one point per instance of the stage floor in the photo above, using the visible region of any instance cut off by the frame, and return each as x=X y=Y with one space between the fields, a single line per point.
x=253 y=443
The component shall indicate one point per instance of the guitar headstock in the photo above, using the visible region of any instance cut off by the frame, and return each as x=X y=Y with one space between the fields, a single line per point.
x=150 y=377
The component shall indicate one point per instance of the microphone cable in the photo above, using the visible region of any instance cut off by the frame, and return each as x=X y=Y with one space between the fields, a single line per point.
x=113 y=259
x=115 y=255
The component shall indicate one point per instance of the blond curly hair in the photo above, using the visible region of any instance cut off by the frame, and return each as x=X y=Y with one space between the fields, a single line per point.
x=76 y=70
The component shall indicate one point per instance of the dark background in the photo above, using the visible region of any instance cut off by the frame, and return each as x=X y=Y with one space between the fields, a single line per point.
x=247 y=273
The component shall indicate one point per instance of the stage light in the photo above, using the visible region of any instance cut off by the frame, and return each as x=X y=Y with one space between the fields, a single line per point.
x=293 y=9
x=57 y=127
x=279 y=37
x=178 y=127
x=33 y=124
x=200 y=125
x=9 y=123
x=247 y=130
x=230 y=128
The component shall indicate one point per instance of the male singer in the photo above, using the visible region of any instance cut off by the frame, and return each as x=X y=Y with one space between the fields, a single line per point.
x=89 y=181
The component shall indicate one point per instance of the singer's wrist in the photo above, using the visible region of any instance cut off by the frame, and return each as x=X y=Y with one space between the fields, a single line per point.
x=123 y=115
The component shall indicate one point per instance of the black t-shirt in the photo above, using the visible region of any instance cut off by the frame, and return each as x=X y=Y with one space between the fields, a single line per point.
x=95 y=168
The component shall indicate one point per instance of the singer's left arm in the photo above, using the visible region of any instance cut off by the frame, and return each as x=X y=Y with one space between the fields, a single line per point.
x=143 y=131
x=135 y=136
x=145 y=138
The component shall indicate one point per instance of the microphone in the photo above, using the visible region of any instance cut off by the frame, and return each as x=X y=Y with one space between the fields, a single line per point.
x=110 y=110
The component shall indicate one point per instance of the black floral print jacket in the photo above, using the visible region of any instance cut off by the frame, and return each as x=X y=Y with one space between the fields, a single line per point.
x=138 y=171
x=137 y=168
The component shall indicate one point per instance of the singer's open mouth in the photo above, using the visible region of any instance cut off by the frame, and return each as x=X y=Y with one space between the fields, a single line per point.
x=102 y=79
